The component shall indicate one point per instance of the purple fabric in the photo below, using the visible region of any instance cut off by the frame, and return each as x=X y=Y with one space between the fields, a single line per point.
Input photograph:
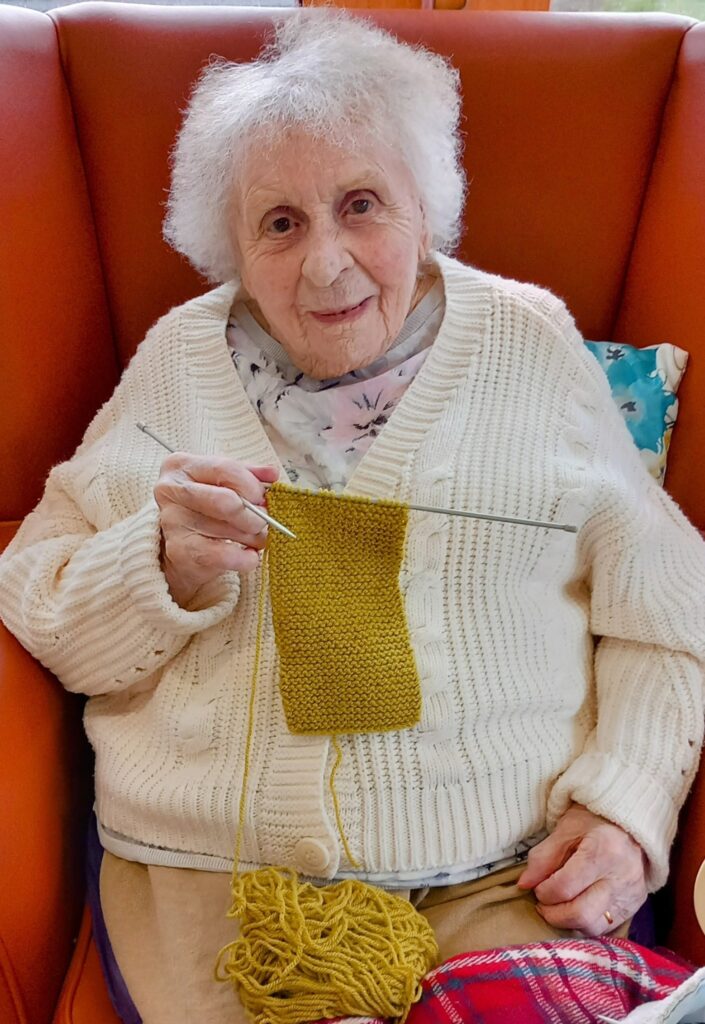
x=643 y=926
x=117 y=989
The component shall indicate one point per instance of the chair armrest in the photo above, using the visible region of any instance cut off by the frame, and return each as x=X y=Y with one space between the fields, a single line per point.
x=85 y=998
x=43 y=799
x=685 y=935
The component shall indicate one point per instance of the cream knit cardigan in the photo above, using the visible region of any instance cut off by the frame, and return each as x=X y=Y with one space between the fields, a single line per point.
x=508 y=415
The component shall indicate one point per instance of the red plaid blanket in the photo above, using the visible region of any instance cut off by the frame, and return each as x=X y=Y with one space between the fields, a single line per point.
x=565 y=982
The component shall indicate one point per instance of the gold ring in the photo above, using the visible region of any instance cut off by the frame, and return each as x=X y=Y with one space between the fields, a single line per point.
x=608 y=918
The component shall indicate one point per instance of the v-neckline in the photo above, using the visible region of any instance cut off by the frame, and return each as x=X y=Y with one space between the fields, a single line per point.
x=377 y=474
x=459 y=339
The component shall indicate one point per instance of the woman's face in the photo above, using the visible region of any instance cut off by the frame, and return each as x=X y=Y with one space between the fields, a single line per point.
x=328 y=244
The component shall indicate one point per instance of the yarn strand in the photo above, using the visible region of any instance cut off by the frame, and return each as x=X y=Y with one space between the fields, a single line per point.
x=336 y=804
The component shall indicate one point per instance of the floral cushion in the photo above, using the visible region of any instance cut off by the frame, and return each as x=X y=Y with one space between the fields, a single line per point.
x=644 y=382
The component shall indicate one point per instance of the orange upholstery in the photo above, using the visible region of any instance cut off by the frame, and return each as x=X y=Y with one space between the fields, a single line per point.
x=84 y=999
x=50 y=264
x=40 y=853
x=586 y=160
x=665 y=285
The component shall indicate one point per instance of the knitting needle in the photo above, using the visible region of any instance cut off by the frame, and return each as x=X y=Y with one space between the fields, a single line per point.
x=607 y=1020
x=495 y=519
x=416 y=508
x=248 y=504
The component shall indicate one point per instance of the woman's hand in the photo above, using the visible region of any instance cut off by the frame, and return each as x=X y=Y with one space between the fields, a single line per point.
x=587 y=875
x=206 y=529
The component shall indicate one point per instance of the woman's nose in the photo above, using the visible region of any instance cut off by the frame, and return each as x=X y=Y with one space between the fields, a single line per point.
x=326 y=257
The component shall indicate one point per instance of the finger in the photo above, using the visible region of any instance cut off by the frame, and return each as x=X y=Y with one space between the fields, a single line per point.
x=586 y=913
x=545 y=858
x=218 y=471
x=267 y=474
x=219 y=504
x=256 y=541
x=209 y=558
x=240 y=525
x=581 y=870
x=246 y=558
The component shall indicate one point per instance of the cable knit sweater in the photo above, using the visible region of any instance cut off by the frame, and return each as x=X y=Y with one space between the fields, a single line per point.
x=510 y=415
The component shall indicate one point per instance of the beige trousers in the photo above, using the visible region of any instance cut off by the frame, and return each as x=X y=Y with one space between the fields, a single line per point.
x=167 y=926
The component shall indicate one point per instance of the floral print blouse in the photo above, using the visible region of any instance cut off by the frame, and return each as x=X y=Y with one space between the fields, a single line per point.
x=320 y=429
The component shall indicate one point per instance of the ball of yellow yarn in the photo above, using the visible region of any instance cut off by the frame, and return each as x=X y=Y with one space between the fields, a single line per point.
x=307 y=952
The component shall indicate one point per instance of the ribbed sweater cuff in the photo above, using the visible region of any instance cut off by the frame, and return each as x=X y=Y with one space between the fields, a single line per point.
x=626 y=795
x=144 y=580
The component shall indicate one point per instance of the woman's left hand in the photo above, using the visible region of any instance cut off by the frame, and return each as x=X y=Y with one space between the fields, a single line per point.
x=588 y=875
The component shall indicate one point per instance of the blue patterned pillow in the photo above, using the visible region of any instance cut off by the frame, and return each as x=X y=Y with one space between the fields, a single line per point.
x=644 y=382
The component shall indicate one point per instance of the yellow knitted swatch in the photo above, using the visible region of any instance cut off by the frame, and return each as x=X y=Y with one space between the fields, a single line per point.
x=346 y=663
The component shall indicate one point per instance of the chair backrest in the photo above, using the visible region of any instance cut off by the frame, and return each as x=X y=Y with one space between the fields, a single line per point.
x=585 y=154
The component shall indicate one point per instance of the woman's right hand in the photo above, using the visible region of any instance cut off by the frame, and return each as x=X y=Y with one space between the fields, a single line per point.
x=206 y=529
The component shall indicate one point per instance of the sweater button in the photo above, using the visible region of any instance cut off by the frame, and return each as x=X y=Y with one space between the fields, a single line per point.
x=311 y=856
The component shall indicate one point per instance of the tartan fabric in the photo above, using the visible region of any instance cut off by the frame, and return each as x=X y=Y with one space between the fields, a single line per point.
x=564 y=982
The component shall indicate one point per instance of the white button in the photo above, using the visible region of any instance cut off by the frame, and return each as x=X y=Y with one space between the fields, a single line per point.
x=311 y=856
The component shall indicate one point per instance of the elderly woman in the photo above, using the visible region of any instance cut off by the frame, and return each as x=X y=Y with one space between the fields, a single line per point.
x=320 y=185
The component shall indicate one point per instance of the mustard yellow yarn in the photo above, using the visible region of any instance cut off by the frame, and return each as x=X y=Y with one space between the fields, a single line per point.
x=346 y=663
x=309 y=952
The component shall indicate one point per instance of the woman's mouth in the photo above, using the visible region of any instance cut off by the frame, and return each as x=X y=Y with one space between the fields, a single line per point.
x=342 y=315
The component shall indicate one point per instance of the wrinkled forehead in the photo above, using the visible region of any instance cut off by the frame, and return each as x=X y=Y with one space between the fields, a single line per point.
x=295 y=167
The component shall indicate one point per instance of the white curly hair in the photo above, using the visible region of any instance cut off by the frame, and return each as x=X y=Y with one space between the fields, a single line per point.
x=335 y=76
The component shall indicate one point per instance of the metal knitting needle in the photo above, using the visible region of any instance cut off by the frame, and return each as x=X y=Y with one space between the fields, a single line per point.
x=248 y=504
x=416 y=508
x=495 y=519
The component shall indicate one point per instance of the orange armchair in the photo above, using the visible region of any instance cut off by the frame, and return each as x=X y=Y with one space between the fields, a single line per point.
x=586 y=161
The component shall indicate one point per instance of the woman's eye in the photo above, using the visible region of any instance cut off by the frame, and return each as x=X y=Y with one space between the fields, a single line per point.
x=361 y=206
x=281 y=225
